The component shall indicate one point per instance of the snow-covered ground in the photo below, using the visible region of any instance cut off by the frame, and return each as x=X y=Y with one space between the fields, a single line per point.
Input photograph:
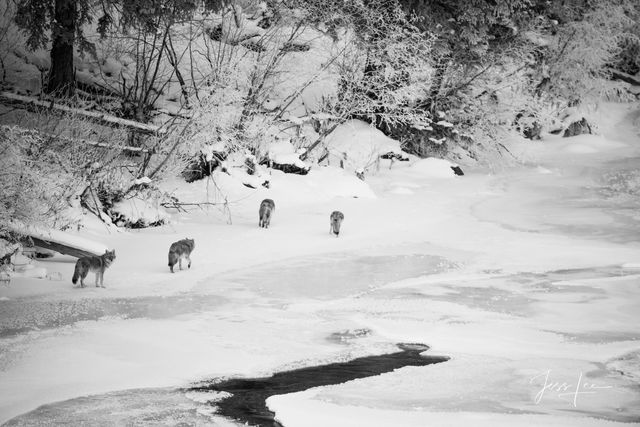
x=527 y=278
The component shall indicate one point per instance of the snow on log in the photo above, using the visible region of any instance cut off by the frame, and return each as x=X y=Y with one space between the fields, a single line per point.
x=34 y=104
x=112 y=147
x=60 y=241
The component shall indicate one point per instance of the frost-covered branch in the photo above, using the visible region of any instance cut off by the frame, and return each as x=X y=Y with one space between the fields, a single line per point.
x=36 y=105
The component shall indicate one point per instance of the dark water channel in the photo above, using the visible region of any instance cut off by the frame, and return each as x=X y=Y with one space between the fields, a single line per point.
x=247 y=403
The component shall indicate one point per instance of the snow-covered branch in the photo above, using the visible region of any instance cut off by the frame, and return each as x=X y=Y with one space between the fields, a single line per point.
x=36 y=105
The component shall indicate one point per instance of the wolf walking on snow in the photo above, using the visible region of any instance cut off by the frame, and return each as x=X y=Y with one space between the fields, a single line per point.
x=266 y=210
x=179 y=250
x=95 y=264
x=335 y=220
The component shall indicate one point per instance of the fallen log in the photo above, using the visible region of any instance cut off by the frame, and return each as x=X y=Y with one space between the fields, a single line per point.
x=98 y=144
x=36 y=105
x=59 y=241
x=59 y=247
x=628 y=78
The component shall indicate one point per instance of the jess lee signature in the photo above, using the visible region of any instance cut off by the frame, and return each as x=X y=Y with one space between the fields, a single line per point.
x=565 y=390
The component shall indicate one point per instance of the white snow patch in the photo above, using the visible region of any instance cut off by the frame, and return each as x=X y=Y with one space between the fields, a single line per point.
x=284 y=153
x=322 y=116
x=444 y=124
x=631 y=265
x=294 y=409
x=296 y=120
x=543 y=170
x=434 y=168
x=580 y=149
x=401 y=190
x=143 y=180
x=254 y=181
x=322 y=183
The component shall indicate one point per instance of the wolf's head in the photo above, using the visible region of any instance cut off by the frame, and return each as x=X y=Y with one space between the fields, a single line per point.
x=191 y=243
x=109 y=257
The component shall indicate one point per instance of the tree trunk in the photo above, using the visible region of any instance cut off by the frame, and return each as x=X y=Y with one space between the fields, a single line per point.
x=61 y=76
x=442 y=64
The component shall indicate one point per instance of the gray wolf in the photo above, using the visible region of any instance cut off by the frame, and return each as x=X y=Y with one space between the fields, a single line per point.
x=95 y=264
x=335 y=220
x=266 y=210
x=179 y=250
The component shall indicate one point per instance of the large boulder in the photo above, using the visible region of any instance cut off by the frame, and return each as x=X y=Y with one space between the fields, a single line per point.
x=577 y=128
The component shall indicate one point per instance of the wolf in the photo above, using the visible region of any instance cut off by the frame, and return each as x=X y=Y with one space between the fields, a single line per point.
x=95 y=264
x=335 y=220
x=179 y=250
x=266 y=210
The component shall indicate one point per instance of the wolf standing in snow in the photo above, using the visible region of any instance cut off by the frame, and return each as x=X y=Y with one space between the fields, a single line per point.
x=95 y=264
x=266 y=210
x=335 y=220
x=181 y=249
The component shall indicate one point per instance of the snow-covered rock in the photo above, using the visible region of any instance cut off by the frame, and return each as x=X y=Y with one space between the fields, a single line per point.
x=283 y=156
x=359 y=145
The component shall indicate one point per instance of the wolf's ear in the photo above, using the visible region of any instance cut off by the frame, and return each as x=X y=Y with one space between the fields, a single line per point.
x=106 y=251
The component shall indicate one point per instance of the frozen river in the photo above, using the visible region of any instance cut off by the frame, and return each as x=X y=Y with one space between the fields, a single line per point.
x=527 y=280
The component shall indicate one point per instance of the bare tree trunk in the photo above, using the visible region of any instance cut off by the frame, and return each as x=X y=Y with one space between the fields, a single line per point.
x=61 y=76
x=441 y=67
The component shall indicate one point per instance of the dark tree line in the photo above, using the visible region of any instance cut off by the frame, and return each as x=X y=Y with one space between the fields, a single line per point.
x=468 y=37
x=61 y=23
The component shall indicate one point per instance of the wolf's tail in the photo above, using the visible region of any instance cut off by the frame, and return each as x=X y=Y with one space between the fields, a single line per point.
x=76 y=275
